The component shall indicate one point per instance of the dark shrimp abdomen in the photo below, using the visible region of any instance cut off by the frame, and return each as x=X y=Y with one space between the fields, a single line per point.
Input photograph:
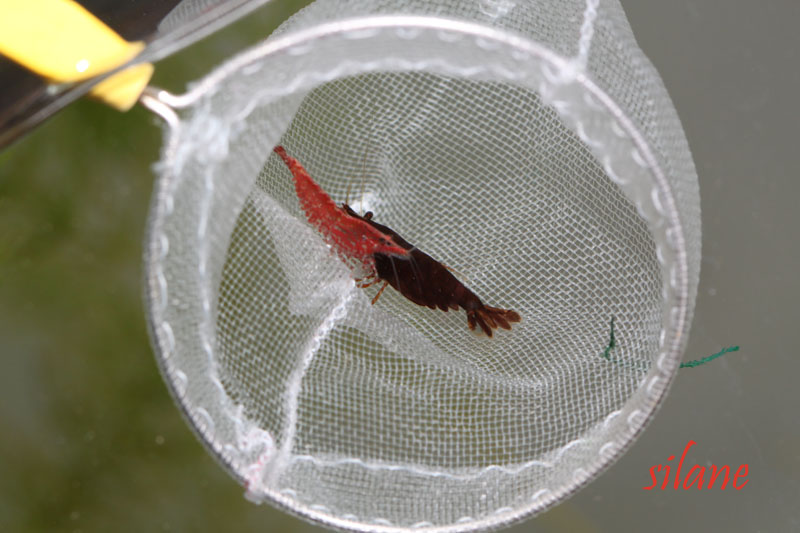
x=425 y=281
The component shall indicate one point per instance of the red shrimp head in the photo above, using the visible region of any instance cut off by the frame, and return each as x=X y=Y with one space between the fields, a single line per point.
x=350 y=235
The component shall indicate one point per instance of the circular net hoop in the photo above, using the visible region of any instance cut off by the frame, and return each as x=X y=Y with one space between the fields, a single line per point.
x=529 y=146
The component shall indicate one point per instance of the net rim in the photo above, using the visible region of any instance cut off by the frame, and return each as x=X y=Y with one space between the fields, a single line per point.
x=161 y=206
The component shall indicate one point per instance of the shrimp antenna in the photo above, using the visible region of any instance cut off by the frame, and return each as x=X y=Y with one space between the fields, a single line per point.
x=394 y=269
x=349 y=184
x=363 y=180
x=417 y=271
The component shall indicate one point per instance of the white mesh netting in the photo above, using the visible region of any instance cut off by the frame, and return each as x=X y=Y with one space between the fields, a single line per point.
x=531 y=147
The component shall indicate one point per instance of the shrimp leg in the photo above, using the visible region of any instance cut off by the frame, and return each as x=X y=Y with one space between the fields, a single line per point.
x=375 y=299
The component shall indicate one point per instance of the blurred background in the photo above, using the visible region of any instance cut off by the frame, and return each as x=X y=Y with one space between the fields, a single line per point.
x=90 y=439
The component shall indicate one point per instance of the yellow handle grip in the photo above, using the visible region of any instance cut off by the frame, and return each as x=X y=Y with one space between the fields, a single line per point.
x=61 y=41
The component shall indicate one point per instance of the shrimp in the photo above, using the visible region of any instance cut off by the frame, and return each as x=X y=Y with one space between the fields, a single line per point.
x=387 y=257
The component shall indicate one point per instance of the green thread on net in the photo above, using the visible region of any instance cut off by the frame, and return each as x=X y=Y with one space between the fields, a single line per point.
x=704 y=360
x=612 y=343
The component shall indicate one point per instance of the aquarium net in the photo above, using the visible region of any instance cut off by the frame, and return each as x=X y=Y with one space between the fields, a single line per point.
x=528 y=146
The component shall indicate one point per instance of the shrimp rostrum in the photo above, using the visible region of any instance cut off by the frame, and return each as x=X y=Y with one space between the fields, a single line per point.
x=387 y=257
